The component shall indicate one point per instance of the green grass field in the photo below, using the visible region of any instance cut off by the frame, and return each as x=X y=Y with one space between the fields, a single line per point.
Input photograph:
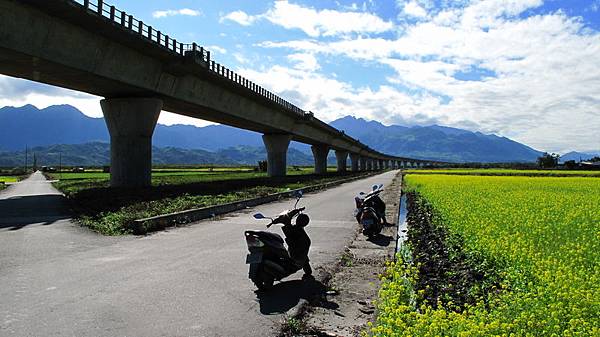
x=9 y=179
x=540 y=237
x=70 y=183
x=508 y=172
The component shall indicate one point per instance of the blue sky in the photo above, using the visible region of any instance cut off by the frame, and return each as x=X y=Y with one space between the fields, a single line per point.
x=524 y=69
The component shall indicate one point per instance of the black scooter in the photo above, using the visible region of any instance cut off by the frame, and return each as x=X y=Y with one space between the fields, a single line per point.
x=370 y=211
x=269 y=260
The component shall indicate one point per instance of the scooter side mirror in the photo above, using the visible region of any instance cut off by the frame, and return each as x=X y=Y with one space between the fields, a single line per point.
x=380 y=186
x=297 y=194
x=375 y=187
x=258 y=216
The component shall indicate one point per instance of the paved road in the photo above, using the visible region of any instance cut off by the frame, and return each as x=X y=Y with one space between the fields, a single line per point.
x=189 y=281
x=35 y=226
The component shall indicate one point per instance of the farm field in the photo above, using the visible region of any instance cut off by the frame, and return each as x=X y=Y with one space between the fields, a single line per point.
x=536 y=244
x=70 y=182
x=509 y=172
x=9 y=179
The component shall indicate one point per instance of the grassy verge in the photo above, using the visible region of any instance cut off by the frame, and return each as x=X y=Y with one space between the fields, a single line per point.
x=110 y=210
x=497 y=256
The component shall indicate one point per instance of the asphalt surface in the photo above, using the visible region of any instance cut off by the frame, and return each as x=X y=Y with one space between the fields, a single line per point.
x=57 y=279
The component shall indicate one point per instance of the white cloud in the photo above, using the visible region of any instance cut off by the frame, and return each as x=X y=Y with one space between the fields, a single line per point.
x=539 y=79
x=241 y=58
x=240 y=17
x=18 y=92
x=413 y=8
x=174 y=12
x=314 y=22
x=218 y=49
x=330 y=98
x=306 y=62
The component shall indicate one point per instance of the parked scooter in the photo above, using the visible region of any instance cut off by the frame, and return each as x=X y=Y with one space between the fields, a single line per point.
x=269 y=260
x=370 y=211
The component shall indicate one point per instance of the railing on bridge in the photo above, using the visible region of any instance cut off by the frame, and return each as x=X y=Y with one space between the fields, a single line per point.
x=127 y=21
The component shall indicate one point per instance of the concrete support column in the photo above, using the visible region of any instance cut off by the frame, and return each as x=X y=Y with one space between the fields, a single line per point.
x=342 y=160
x=394 y=166
x=381 y=165
x=363 y=163
x=386 y=164
x=369 y=164
x=277 y=146
x=354 y=158
x=131 y=122
x=320 y=153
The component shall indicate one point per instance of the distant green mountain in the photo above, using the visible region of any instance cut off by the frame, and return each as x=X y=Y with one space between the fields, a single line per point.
x=98 y=154
x=64 y=124
x=578 y=156
x=436 y=142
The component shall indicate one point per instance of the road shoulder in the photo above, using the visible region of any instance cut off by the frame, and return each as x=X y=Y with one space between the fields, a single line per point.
x=352 y=285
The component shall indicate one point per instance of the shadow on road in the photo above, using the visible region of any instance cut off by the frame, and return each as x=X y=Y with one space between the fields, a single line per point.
x=286 y=295
x=21 y=211
x=381 y=240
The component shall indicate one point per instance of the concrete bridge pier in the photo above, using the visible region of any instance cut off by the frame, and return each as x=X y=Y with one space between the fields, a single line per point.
x=369 y=164
x=382 y=165
x=277 y=146
x=320 y=153
x=354 y=159
x=342 y=160
x=363 y=164
x=131 y=122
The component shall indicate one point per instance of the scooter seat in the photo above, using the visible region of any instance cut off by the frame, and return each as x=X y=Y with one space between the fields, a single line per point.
x=267 y=236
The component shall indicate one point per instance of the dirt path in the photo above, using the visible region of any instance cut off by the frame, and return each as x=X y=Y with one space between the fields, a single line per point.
x=353 y=283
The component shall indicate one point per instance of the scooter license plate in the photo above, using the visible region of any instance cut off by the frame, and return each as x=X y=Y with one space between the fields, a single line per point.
x=367 y=222
x=254 y=258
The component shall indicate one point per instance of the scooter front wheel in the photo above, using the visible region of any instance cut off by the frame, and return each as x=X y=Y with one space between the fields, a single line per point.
x=263 y=282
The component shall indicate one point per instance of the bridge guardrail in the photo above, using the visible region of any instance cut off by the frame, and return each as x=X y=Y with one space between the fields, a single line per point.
x=127 y=21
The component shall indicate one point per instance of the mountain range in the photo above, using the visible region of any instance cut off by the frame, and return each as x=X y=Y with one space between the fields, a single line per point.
x=64 y=124
x=98 y=154
x=578 y=156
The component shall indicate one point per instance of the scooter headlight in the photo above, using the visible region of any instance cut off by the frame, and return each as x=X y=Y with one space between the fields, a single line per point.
x=254 y=242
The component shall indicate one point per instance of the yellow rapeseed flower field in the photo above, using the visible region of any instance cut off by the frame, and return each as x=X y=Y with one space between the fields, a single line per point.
x=545 y=235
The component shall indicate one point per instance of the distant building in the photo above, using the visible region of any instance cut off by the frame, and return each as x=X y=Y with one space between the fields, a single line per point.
x=589 y=165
